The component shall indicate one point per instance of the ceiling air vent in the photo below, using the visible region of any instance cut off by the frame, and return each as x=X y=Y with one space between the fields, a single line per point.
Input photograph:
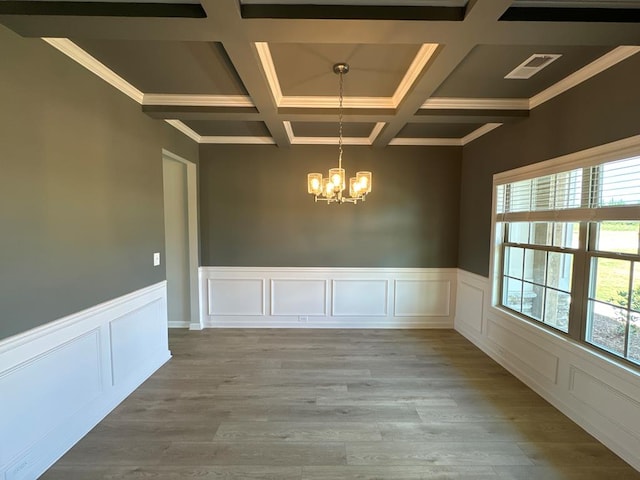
x=532 y=65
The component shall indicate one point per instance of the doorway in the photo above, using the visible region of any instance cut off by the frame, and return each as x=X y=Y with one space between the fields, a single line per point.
x=180 y=226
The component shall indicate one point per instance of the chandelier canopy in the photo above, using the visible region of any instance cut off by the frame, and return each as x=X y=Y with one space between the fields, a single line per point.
x=330 y=189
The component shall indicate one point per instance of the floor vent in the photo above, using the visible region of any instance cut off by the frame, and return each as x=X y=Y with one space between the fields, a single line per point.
x=532 y=65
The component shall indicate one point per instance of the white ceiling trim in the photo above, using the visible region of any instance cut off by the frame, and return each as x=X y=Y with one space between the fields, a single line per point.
x=427 y=142
x=451 y=142
x=330 y=141
x=197 y=100
x=219 y=139
x=419 y=62
x=332 y=102
x=417 y=65
x=264 y=54
x=452 y=103
x=76 y=53
x=479 y=132
x=184 y=129
x=288 y=130
x=237 y=140
x=376 y=131
x=594 y=68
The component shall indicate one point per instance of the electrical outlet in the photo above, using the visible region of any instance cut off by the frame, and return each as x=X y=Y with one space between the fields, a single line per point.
x=156 y=259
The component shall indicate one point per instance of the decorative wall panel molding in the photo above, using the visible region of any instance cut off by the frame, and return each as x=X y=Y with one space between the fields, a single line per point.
x=599 y=394
x=469 y=305
x=299 y=296
x=422 y=298
x=360 y=298
x=59 y=380
x=236 y=296
x=316 y=297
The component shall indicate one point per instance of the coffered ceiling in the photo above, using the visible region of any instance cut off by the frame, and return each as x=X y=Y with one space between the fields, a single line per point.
x=422 y=72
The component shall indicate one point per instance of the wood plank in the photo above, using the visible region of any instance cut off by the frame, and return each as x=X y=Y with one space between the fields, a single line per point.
x=254 y=453
x=297 y=432
x=436 y=453
x=396 y=472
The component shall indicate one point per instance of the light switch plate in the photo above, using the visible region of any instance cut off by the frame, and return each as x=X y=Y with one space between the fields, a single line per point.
x=156 y=259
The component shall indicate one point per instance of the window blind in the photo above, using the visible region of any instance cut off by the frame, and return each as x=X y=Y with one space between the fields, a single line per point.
x=572 y=195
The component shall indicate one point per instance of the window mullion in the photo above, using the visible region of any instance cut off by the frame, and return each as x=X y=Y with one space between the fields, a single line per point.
x=580 y=287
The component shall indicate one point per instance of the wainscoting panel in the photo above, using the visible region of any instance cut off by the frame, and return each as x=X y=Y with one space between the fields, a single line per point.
x=28 y=387
x=59 y=380
x=297 y=296
x=126 y=333
x=596 y=392
x=469 y=305
x=236 y=296
x=522 y=352
x=360 y=298
x=314 y=297
x=422 y=298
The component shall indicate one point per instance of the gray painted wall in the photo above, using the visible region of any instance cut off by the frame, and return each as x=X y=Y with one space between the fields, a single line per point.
x=603 y=109
x=81 y=207
x=255 y=210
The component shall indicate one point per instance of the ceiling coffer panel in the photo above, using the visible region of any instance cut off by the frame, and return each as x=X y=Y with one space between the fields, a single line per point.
x=169 y=67
x=481 y=74
x=105 y=8
x=328 y=129
x=618 y=11
x=438 y=130
x=450 y=10
x=375 y=70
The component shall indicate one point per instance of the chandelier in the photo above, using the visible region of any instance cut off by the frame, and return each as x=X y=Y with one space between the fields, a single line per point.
x=330 y=189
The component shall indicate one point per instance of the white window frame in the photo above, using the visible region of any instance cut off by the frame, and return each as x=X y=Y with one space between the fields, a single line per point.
x=626 y=148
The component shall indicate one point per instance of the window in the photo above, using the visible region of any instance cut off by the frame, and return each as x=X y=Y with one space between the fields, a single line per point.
x=568 y=251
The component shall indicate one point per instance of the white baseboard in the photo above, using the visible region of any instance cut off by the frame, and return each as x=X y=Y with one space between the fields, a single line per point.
x=599 y=394
x=174 y=324
x=308 y=297
x=59 y=380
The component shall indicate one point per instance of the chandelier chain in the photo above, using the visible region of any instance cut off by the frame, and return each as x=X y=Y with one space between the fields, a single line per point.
x=341 y=83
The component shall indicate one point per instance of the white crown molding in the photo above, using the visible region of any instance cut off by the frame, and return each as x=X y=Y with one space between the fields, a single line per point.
x=237 y=140
x=426 y=142
x=423 y=56
x=449 y=142
x=594 y=68
x=177 y=124
x=264 y=54
x=417 y=65
x=77 y=54
x=197 y=100
x=479 y=132
x=375 y=132
x=289 y=130
x=329 y=141
x=452 y=103
x=332 y=102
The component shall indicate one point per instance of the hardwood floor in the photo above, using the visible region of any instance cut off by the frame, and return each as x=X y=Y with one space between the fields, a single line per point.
x=335 y=405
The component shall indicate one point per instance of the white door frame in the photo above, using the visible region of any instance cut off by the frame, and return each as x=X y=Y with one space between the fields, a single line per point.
x=192 y=227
